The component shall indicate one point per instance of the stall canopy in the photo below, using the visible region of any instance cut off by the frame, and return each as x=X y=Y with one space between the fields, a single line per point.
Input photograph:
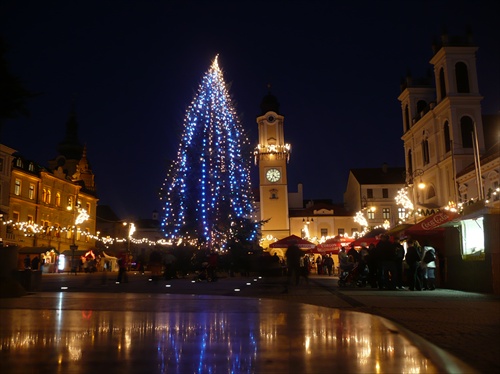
x=431 y=225
x=373 y=237
x=333 y=245
x=293 y=239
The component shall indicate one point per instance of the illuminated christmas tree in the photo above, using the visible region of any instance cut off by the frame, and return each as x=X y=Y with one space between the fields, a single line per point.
x=207 y=192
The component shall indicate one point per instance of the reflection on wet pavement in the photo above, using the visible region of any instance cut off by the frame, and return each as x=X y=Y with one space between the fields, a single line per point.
x=165 y=334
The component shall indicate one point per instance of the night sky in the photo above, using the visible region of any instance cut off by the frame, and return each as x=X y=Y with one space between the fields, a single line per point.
x=133 y=67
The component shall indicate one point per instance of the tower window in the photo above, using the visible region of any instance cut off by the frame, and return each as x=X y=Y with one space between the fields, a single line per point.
x=466 y=129
x=447 y=140
x=407 y=118
x=462 y=76
x=425 y=151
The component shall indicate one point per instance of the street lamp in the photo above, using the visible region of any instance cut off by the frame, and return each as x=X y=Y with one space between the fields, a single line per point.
x=131 y=230
x=79 y=218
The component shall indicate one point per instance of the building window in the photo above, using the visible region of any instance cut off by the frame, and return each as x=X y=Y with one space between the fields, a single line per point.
x=324 y=233
x=354 y=232
x=385 y=193
x=15 y=216
x=31 y=167
x=447 y=139
x=31 y=192
x=369 y=193
x=30 y=219
x=19 y=163
x=401 y=213
x=17 y=187
x=425 y=151
x=341 y=232
x=87 y=208
x=273 y=194
x=466 y=130
x=1 y=164
x=386 y=213
x=70 y=203
x=48 y=197
x=371 y=214
x=58 y=199
x=462 y=76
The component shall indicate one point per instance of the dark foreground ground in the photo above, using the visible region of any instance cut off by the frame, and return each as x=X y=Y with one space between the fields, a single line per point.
x=313 y=327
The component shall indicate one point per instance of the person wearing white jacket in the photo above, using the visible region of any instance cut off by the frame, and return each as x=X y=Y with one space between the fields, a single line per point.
x=428 y=265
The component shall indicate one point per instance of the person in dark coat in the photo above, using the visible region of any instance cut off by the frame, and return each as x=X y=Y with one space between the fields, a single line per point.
x=413 y=258
x=386 y=254
x=293 y=255
x=398 y=260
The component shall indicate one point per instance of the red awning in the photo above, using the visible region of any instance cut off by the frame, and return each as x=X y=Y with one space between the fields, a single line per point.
x=293 y=239
x=431 y=224
x=373 y=237
x=333 y=245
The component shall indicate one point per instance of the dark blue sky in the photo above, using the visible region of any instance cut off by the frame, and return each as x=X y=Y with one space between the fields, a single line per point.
x=134 y=66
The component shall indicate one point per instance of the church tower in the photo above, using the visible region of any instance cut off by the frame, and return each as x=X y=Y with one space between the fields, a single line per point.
x=272 y=155
x=442 y=122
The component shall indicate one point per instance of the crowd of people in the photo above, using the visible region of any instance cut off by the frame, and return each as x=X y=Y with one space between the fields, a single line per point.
x=386 y=265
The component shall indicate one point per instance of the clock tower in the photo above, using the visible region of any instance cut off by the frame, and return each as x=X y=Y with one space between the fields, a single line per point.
x=272 y=155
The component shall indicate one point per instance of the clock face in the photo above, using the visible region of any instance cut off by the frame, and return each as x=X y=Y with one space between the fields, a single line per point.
x=270 y=119
x=273 y=175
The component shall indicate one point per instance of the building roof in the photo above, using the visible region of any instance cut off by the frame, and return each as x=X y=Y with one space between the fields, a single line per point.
x=384 y=175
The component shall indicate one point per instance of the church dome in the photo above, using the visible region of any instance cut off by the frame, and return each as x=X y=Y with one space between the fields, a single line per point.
x=269 y=104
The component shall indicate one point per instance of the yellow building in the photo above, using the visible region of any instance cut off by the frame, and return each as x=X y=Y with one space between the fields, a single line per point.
x=52 y=208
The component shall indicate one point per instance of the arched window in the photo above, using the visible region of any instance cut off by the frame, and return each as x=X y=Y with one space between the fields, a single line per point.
x=407 y=118
x=431 y=192
x=447 y=140
x=425 y=151
x=442 y=83
x=466 y=130
x=462 y=77
x=421 y=105
x=410 y=163
x=44 y=195
x=48 y=197
x=58 y=199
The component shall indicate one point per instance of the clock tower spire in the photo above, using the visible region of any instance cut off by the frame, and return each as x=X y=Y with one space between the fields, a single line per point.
x=272 y=155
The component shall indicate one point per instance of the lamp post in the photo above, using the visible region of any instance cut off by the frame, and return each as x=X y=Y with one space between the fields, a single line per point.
x=81 y=217
x=131 y=230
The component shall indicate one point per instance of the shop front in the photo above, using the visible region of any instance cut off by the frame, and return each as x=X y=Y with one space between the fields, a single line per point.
x=473 y=250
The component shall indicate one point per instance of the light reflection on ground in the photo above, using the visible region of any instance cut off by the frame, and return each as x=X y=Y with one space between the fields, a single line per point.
x=222 y=335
